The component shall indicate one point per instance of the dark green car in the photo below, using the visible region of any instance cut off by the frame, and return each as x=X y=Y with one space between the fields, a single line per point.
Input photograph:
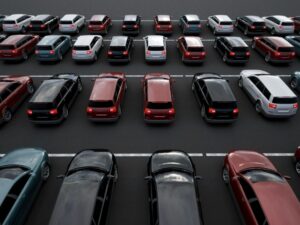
x=22 y=172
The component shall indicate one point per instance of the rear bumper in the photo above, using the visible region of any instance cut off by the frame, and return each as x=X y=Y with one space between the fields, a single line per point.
x=220 y=121
x=237 y=61
x=65 y=30
x=103 y=119
x=47 y=59
x=15 y=58
x=279 y=61
x=193 y=61
x=186 y=31
x=47 y=122
x=83 y=58
x=150 y=59
x=163 y=31
x=224 y=31
x=112 y=60
x=269 y=114
x=156 y=121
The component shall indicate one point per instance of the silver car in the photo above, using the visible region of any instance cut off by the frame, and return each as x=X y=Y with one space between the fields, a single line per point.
x=220 y=24
x=155 y=48
x=71 y=23
x=16 y=23
x=279 y=24
x=87 y=48
x=271 y=95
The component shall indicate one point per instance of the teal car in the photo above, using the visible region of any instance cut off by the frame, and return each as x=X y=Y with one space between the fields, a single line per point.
x=22 y=173
x=53 y=47
x=295 y=81
x=295 y=41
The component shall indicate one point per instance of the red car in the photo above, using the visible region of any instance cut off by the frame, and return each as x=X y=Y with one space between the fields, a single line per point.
x=191 y=49
x=13 y=90
x=274 y=49
x=106 y=97
x=17 y=47
x=263 y=195
x=99 y=24
x=297 y=157
x=163 y=24
x=296 y=20
x=158 y=98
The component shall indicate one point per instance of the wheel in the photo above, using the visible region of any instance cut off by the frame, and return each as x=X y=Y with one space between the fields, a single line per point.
x=77 y=30
x=193 y=87
x=24 y=55
x=258 y=107
x=273 y=32
x=30 y=88
x=225 y=175
x=60 y=56
x=214 y=31
x=225 y=58
x=297 y=166
x=79 y=86
x=65 y=112
x=267 y=57
x=294 y=83
x=203 y=113
x=7 y=115
x=120 y=110
x=253 y=45
x=45 y=172
x=246 y=32
x=215 y=45
x=240 y=83
x=23 y=30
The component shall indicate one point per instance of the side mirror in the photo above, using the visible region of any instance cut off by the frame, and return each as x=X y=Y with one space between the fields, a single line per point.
x=148 y=178
x=287 y=177
x=60 y=176
x=198 y=178
x=110 y=176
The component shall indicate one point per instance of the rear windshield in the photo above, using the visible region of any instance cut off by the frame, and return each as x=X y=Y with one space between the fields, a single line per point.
x=164 y=22
x=287 y=24
x=194 y=22
x=162 y=105
x=285 y=49
x=226 y=23
x=11 y=173
x=9 y=22
x=259 y=24
x=65 y=22
x=41 y=106
x=225 y=105
x=7 y=47
x=284 y=100
x=156 y=48
x=36 y=22
x=95 y=22
x=117 y=48
x=44 y=48
x=129 y=22
x=196 y=49
x=262 y=176
x=81 y=48
x=102 y=104
x=240 y=49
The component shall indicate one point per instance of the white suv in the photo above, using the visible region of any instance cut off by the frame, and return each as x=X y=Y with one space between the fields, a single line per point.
x=279 y=24
x=220 y=24
x=155 y=48
x=71 y=23
x=16 y=23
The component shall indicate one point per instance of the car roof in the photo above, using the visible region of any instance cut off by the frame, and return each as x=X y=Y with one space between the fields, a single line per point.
x=276 y=86
x=177 y=199
x=118 y=41
x=13 y=39
x=41 y=17
x=155 y=40
x=219 y=90
x=193 y=41
x=278 y=41
x=98 y=17
x=68 y=17
x=236 y=41
x=255 y=18
x=130 y=17
x=159 y=90
x=192 y=17
x=163 y=18
x=104 y=89
x=223 y=18
x=48 y=40
x=282 y=18
x=84 y=40
x=14 y=16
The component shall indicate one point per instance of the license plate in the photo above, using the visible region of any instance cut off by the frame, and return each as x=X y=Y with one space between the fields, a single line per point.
x=101 y=115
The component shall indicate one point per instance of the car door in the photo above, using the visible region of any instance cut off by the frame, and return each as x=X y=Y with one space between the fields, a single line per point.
x=5 y=100
x=249 y=86
x=223 y=46
x=121 y=93
x=65 y=44
x=17 y=94
x=153 y=202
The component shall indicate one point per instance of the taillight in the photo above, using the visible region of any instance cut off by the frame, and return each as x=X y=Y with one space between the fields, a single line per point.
x=123 y=26
x=136 y=26
x=101 y=26
x=164 y=52
x=272 y=106
x=147 y=111
x=236 y=111
x=170 y=26
x=14 y=51
x=277 y=54
x=220 y=26
x=280 y=27
x=171 y=111
x=125 y=53
x=293 y=54
x=295 y=106
x=232 y=53
x=187 y=53
x=53 y=112
x=30 y=25
x=247 y=53
x=36 y=52
x=109 y=53
x=212 y=110
x=89 y=52
x=43 y=26
x=29 y=112
x=158 y=26
x=72 y=25
x=252 y=27
x=148 y=52
x=90 y=26
x=89 y=110
x=265 y=27
x=51 y=52
x=203 y=53
x=199 y=25
x=113 y=109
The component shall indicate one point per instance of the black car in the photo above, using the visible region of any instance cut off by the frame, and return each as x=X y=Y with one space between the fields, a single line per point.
x=131 y=25
x=86 y=190
x=51 y=102
x=251 y=25
x=43 y=24
x=2 y=17
x=232 y=49
x=120 y=49
x=173 y=189
x=215 y=97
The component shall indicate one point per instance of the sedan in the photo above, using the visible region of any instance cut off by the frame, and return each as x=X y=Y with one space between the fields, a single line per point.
x=155 y=48
x=295 y=41
x=86 y=189
x=22 y=173
x=263 y=195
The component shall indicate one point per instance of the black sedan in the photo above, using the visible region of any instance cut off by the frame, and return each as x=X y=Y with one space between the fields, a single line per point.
x=173 y=189
x=86 y=189
x=51 y=102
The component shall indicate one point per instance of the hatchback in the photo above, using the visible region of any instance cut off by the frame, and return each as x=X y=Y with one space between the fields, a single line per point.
x=43 y=23
x=155 y=48
x=163 y=24
x=280 y=25
x=99 y=24
x=131 y=25
x=71 y=23
x=251 y=25
x=16 y=23
x=120 y=49
x=190 y=24
x=296 y=20
x=220 y=24
x=191 y=49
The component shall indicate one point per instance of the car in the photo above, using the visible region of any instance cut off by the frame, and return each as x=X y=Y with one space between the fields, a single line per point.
x=274 y=49
x=215 y=98
x=18 y=47
x=92 y=171
x=99 y=24
x=120 y=49
x=232 y=49
x=107 y=97
x=16 y=23
x=295 y=81
x=53 y=48
x=71 y=23
x=155 y=48
x=262 y=194
x=191 y=49
x=87 y=48
x=190 y=24
x=251 y=25
x=43 y=23
x=279 y=25
x=270 y=94
x=295 y=41
x=13 y=91
x=173 y=189
x=297 y=159
x=296 y=21
x=220 y=24
x=2 y=17
x=163 y=25
x=158 y=98
x=51 y=102
x=2 y=37
x=22 y=174
x=131 y=25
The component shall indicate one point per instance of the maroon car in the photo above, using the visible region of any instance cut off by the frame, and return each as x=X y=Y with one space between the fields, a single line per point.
x=106 y=97
x=297 y=157
x=163 y=24
x=13 y=90
x=274 y=49
x=191 y=49
x=263 y=195
x=296 y=20
x=158 y=98
x=99 y=24
x=17 y=47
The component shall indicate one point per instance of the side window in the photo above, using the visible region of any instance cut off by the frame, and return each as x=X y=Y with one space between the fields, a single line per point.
x=13 y=86
x=94 y=41
x=254 y=80
x=63 y=91
x=184 y=19
x=119 y=83
x=266 y=93
x=214 y=19
x=76 y=19
x=5 y=94
x=100 y=201
x=56 y=43
x=68 y=84
x=260 y=86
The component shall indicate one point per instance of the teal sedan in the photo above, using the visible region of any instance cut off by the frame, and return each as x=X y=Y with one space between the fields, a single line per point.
x=22 y=173
x=295 y=41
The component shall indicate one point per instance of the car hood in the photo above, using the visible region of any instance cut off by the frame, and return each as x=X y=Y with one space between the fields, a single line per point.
x=6 y=185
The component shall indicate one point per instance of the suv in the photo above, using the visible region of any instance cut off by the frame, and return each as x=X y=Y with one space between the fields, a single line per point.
x=155 y=48
x=163 y=24
x=51 y=102
x=120 y=49
x=279 y=24
x=43 y=24
x=191 y=49
x=296 y=20
x=158 y=98
x=220 y=24
x=87 y=48
x=190 y=24
x=215 y=97
x=251 y=25
x=131 y=25
x=106 y=97
x=99 y=24
x=71 y=23
x=272 y=97
x=16 y=23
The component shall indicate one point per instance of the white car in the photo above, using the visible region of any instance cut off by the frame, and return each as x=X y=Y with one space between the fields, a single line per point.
x=279 y=24
x=87 y=48
x=155 y=48
x=16 y=23
x=220 y=24
x=71 y=23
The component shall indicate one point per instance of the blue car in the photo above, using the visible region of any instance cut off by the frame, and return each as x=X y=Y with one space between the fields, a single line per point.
x=295 y=81
x=53 y=47
x=295 y=41
x=190 y=24
x=22 y=173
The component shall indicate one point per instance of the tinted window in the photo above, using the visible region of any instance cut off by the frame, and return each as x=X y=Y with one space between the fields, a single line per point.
x=260 y=86
x=287 y=24
x=256 y=176
x=164 y=22
x=129 y=22
x=95 y=22
x=194 y=22
x=224 y=105
x=258 y=23
x=44 y=48
x=163 y=105
x=102 y=104
x=196 y=49
x=281 y=49
x=240 y=49
x=81 y=48
x=297 y=18
x=284 y=100
x=226 y=23
x=156 y=48
x=7 y=47
x=11 y=173
x=5 y=94
x=65 y=22
x=117 y=48
x=41 y=106
x=14 y=86
x=254 y=80
x=37 y=22
x=9 y=22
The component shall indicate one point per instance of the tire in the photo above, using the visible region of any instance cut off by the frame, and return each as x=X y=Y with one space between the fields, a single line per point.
x=65 y=112
x=49 y=30
x=215 y=45
x=80 y=86
x=203 y=114
x=119 y=111
x=225 y=175
x=214 y=31
x=193 y=87
x=258 y=107
x=273 y=31
x=253 y=45
x=297 y=167
x=77 y=30
x=60 y=56
x=294 y=83
x=246 y=32
x=225 y=58
x=30 y=88
x=24 y=55
x=45 y=172
x=7 y=115
x=23 y=30
x=240 y=82
x=267 y=57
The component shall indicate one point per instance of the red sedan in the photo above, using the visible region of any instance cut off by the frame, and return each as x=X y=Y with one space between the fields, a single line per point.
x=17 y=47
x=13 y=90
x=106 y=97
x=263 y=195
x=297 y=157
x=158 y=98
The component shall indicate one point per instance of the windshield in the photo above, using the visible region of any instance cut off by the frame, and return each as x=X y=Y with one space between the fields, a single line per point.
x=162 y=105
x=81 y=48
x=44 y=48
x=156 y=48
x=11 y=173
x=256 y=176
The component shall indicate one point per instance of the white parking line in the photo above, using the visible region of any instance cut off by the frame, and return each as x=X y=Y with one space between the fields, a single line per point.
x=174 y=40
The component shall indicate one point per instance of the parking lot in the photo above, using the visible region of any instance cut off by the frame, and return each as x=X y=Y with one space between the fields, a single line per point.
x=130 y=138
